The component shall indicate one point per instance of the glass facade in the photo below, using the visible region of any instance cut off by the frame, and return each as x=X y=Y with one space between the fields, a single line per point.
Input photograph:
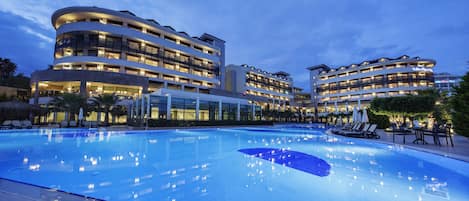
x=188 y=109
x=183 y=109
x=159 y=107
x=208 y=111
x=229 y=111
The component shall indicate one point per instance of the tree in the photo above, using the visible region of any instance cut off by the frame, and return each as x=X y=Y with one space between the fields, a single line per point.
x=460 y=107
x=404 y=106
x=118 y=111
x=70 y=103
x=7 y=68
x=105 y=102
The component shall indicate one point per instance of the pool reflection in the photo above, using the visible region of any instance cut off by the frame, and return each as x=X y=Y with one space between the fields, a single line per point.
x=205 y=165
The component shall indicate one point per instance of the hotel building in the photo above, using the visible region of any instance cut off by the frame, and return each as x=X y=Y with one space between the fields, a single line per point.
x=302 y=103
x=273 y=89
x=169 y=104
x=100 y=51
x=357 y=84
x=444 y=82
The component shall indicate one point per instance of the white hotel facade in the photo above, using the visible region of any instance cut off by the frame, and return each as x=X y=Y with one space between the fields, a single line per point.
x=357 y=84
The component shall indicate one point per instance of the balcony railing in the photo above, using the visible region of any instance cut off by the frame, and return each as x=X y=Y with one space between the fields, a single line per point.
x=118 y=46
x=380 y=81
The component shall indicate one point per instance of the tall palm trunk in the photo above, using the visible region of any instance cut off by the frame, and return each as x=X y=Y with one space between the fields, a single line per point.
x=106 y=117
x=98 y=116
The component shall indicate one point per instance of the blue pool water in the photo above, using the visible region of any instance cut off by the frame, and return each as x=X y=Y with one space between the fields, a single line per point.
x=225 y=164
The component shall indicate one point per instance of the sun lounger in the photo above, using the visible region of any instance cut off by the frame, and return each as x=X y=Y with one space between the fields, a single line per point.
x=73 y=124
x=16 y=124
x=354 y=127
x=63 y=124
x=360 y=132
x=26 y=124
x=371 y=132
x=6 y=125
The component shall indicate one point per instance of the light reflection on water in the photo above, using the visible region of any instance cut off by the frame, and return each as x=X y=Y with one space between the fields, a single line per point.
x=205 y=165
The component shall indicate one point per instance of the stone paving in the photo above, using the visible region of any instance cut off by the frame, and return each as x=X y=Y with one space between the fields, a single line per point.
x=459 y=151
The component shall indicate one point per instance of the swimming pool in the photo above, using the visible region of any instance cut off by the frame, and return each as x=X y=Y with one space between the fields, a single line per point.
x=227 y=164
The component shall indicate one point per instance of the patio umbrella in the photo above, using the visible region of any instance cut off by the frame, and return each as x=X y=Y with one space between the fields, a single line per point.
x=346 y=106
x=359 y=104
x=364 y=116
x=355 y=115
x=336 y=108
x=80 y=115
x=339 y=121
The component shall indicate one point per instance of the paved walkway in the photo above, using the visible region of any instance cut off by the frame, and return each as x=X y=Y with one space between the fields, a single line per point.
x=459 y=151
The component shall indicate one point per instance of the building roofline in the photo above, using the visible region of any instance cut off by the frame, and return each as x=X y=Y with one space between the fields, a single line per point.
x=131 y=16
x=371 y=62
x=320 y=66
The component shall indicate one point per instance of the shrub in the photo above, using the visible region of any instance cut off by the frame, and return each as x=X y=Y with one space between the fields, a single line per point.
x=382 y=121
x=460 y=107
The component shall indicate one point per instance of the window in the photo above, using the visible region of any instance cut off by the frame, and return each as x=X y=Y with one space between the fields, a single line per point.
x=197 y=62
x=151 y=49
x=131 y=71
x=93 y=52
x=154 y=33
x=365 y=70
x=169 y=66
x=195 y=82
x=184 y=58
x=198 y=48
x=183 y=69
x=196 y=72
x=151 y=74
x=133 y=58
x=114 y=22
x=158 y=107
x=168 y=77
x=113 y=42
x=133 y=45
x=112 y=68
x=151 y=62
x=185 y=44
x=170 y=39
x=169 y=53
x=112 y=55
x=183 y=80
x=135 y=27
x=183 y=109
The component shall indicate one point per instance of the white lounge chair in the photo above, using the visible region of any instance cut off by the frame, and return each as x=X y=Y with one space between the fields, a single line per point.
x=26 y=124
x=16 y=124
x=6 y=124
x=63 y=124
x=73 y=124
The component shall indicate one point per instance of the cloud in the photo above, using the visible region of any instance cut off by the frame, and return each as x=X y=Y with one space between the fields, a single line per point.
x=291 y=36
x=34 y=11
x=37 y=34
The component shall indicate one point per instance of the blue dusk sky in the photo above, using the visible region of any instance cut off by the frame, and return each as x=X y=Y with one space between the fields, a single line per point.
x=272 y=35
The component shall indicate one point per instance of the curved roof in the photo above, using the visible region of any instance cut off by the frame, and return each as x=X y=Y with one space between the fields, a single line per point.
x=125 y=15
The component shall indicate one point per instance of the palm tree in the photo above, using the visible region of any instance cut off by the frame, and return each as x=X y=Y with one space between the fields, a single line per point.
x=105 y=102
x=69 y=103
x=118 y=111
x=7 y=68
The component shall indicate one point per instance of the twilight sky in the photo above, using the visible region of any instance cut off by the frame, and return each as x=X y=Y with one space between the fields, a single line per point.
x=285 y=35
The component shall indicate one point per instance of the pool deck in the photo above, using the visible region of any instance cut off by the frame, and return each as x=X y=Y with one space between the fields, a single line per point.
x=18 y=191
x=460 y=150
